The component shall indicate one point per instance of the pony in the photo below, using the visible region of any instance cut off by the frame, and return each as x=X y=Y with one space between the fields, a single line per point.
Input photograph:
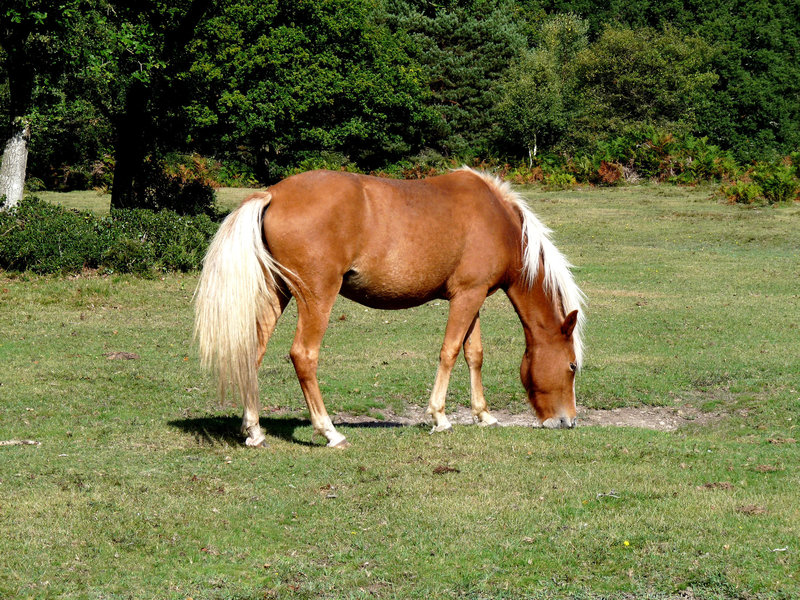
x=388 y=244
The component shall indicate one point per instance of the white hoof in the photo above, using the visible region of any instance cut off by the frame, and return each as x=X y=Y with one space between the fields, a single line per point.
x=256 y=442
x=255 y=436
x=441 y=428
x=487 y=420
x=336 y=440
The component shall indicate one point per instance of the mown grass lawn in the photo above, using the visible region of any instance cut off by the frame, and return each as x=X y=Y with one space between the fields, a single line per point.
x=141 y=487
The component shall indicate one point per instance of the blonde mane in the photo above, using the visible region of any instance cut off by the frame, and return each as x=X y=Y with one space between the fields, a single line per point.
x=558 y=281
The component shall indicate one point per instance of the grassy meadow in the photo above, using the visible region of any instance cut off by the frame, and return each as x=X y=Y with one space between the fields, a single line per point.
x=141 y=487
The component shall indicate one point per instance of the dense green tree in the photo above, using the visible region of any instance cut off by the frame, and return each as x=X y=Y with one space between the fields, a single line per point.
x=756 y=105
x=373 y=81
x=539 y=101
x=278 y=82
x=137 y=57
x=756 y=109
x=639 y=77
x=463 y=48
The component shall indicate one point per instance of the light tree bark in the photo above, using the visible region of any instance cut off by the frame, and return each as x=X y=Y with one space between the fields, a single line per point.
x=532 y=152
x=14 y=164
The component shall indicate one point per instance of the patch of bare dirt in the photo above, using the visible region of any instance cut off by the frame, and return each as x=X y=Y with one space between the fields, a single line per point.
x=651 y=417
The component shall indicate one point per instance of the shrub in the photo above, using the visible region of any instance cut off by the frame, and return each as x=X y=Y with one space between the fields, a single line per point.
x=559 y=181
x=793 y=161
x=742 y=192
x=34 y=184
x=234 y=173
x=43 y=238
x=332 y=161
x=523 y=174
x=128 y=255
x=777 y=182
x=610 y=173
x=139 y=240
x=764 y=183
x=178 y=188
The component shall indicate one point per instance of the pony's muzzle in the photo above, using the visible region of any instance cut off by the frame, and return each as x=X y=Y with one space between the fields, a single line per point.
x=560 y=422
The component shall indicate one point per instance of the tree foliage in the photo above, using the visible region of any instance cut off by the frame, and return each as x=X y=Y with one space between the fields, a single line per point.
x=112 y=87
x=631 y=78
x=463 y=49
x=539 y=100
x=287 y=80
x=755 y=106
x=36 y=42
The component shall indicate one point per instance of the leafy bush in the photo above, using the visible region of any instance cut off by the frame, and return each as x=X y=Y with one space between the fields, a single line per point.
x=793 y=161
x=181 y=189
x=764 y=183
x=427 y=163
x=139 y=240
x=215 y=173
x=742 y=192
x=43 y=238
x=610 y=173
x=523 y=174
x=332 y=161
x=34 y=184
x=777 y=182
x=128 y=255
x=559 y=181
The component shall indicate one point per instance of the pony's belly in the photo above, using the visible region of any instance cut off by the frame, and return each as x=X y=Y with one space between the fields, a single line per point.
x=388 y=292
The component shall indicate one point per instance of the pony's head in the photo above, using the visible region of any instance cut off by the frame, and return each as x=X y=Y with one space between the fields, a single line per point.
x=544 y=291
x=548 y=373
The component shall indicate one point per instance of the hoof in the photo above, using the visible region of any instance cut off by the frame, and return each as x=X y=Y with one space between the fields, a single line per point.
x=485 y=419
x=341 y=445
x=256 y=443
x=442 y=428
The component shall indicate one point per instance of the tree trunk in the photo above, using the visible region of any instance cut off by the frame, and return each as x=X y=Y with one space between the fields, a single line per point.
x=136 y=127
x=14 y=164
x=130 y=147
x=532 y=152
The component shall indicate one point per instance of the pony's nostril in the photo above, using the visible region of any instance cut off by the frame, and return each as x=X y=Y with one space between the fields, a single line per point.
x=567 y=423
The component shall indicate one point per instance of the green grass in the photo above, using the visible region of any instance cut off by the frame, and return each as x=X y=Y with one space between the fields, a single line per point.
x=141 y=487
x=99 y=202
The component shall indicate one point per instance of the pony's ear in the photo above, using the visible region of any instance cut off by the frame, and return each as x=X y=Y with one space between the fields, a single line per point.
x=569 y=324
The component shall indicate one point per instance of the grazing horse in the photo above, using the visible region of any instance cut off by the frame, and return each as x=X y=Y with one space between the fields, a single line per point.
x=387 y=244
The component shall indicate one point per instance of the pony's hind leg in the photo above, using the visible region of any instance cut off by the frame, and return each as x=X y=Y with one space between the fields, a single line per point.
x=460 y=323
x=252 y=407
x=312 y=322
x=473 y=354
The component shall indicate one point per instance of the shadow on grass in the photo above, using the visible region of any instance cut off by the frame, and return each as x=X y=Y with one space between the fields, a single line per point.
x=210 y=431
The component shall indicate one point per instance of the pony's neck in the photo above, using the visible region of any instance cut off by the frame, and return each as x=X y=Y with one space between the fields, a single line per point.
x=535 y=309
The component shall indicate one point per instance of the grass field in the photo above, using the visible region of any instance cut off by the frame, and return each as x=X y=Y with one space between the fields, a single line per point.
x=100 y=202
x=141 y=487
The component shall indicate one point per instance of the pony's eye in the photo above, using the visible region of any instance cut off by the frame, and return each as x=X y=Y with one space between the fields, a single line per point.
x=573 y=367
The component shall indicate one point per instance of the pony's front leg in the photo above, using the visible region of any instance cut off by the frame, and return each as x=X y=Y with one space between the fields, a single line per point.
x=312 y=321
x=460 y=322
x=473 y=354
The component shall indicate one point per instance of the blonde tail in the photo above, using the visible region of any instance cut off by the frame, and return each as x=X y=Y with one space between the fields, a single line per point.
x=237 y=287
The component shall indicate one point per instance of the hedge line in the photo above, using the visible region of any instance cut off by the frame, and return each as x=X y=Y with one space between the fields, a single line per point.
x=44 y=238
x=641 y=155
